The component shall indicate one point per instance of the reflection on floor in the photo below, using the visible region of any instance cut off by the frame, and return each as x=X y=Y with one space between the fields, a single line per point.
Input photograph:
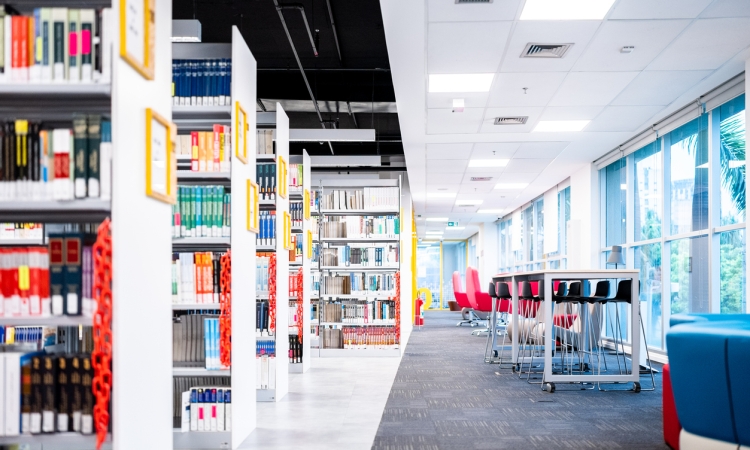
x=445 y=397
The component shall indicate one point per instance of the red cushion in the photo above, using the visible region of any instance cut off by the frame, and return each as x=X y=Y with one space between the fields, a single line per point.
x=672 y=425
x=565 y=320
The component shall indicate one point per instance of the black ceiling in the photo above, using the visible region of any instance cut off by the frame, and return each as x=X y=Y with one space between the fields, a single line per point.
x=362 y=75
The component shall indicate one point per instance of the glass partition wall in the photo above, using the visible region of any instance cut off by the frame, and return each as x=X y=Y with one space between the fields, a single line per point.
x=436 y=262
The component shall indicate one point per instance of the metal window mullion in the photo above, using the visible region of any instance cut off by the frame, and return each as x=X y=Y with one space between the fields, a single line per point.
x=732 y=227
x=666 y=228
x=688 y=235
x=714 y=212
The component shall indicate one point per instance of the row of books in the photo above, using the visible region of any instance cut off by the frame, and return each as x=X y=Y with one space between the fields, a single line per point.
x=262 y=261
x=46 y=393
x=297 y=213
x=364 y=255
x=359 y=338
x=295 y=177
x=265 y=365
x=207 y=409
x=56 y=45
x=358 y=283
x=12 y=231
x=201 y=82
x=359 y=312
x=201 y=211
x=262 y=322
x=265 y=176
x=368 y=198
x=360 y=227
x=196 y=277
x=295 y=254
x=264 y=142
x=295 y=349
x=267 y=231
x=195 y=341
x=58 y=164
x=181 y=387
x=209 y=151
x=22 y=335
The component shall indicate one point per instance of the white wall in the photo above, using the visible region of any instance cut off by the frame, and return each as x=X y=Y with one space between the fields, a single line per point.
x=406 y=255
x=487 y=250
x=584 y=243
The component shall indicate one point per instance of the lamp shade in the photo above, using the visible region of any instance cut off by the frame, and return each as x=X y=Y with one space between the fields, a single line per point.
x=616 y=256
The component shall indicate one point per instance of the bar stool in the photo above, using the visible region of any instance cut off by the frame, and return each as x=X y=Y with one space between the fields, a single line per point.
x=500 y=295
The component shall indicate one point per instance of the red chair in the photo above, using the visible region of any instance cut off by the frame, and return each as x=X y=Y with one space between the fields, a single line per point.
x=480 y=301
x=672 y=425
x=463 y=301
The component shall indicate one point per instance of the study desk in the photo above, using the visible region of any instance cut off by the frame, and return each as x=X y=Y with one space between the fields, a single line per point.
x=548 y=277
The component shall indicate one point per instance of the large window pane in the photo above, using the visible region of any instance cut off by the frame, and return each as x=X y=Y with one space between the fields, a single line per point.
x=615 y=184
x=732 y=272
x=689 y=176
x=539 y=229
x=565 y=212
x=732 y=131
x=454 y=259
x=528 y=236
x=688 y=267
x=648 y=192
x=648 y=262
x=428 y=271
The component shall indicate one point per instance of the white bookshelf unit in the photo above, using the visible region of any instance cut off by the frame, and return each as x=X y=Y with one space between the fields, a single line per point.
x=359 y=238
x=304 y=264
x=240 y=243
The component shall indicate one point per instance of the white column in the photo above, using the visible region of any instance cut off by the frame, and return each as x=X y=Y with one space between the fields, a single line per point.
x=487 y=249
x=583 y=240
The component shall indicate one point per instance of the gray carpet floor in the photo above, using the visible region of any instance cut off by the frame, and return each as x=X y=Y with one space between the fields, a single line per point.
x=445 y=397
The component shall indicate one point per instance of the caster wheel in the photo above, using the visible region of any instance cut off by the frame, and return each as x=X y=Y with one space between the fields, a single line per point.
x=550 y=387
x=494 y=353
x=586 y=367
x=514 y=369
x=636 y=387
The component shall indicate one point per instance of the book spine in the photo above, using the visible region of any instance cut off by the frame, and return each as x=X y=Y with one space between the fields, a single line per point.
x=80 y=155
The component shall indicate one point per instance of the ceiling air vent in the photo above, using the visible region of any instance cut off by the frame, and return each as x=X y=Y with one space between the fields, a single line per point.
x=518 y=120
x=533 y=50
x=458 y=2
x=481 y=178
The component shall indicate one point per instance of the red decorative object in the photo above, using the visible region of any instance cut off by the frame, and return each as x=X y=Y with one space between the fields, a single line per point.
x=272 y=294
x=101 y=357
x=225 y=319
x=300 y=296
x=397 y=299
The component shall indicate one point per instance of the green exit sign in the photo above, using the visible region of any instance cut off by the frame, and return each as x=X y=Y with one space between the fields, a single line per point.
x=452 y=224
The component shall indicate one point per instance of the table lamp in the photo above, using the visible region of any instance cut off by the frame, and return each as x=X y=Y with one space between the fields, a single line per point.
x=615 y=256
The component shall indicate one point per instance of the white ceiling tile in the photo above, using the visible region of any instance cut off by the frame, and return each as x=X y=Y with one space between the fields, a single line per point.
x=659 y=87
x=577 y=33
x=466 y=48
x=466 y=181
x=442 y=188
x=432 y=208
x=449 y=11
x=445 y=100
x=623 y=118
x=465 y=209
x=477 y=187
x=570 y=112
x=649 y=37
x=727 y=8
x=517 y=165
x=591 y=88
x=486 y=150
x=705 y=45
x=488 y=125
x=448 y=151
x=445 y=121
x=445 y=166
x=659 y=9
x=543 y=150
x=517 y=177
x=507 y=90
x=444 y=179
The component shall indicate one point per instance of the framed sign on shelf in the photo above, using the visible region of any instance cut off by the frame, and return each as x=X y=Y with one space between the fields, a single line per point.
x=240 y=124
x=306 y=204
x=160 y=158
x=309 y=244
x=137 y=35
x=288 y=231
x=253 y=210
x=282 y=178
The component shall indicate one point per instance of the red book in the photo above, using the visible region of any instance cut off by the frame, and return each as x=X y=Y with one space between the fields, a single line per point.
x=15 y=293
x=23 y=42
x=15 y=62
x=36 y=255
x=4 y=276
x=217 y=147
x=44 y=280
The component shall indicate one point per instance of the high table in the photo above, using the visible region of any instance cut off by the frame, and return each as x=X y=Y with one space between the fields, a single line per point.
x=548 y=276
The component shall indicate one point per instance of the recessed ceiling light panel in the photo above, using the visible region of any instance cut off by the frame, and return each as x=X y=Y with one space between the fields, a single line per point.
x=511 y=186
x=437 y=219
x=551 y=126
x=490 y=211
x=488 y=162
x=468 y=202
x=566 y=9
x=462 y=82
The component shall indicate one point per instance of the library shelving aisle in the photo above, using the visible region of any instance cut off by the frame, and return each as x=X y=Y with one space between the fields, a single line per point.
x=359 y=262
x=93 y=282
x=299 y=305
x=274 y=244
x=212 y=239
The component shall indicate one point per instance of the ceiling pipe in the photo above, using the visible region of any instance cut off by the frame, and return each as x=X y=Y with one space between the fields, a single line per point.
x=333 y=27
x=349 y=106
x=299 y=64
x=301 y=9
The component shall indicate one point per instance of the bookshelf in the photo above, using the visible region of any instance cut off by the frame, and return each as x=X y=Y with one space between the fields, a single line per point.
x=273 y=384
x=239 y=241
x=360 y=254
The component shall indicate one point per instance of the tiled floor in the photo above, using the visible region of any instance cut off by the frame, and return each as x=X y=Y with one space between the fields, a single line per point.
x=337 y=404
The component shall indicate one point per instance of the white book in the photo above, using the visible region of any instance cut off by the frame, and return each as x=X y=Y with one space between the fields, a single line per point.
x=213 y=406
x=185 y=416
x=264 y=372
x=12 y=405
x=107 y=36
x=193 y=409
x=227 y=410
x=220 y=420
x=272 y=372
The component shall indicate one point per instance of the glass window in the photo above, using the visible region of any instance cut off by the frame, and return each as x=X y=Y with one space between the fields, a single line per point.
x=454 y=259
x=428 y=271
x=732 y=138
x=528 y=235
x=615 y=186
x=688 y=268
x=648 y=191
x=689 y=176
x=648 y=262
x=539 y=228
x=564 y=206
x=502 y=233
x=473 y=256
x=732 y=270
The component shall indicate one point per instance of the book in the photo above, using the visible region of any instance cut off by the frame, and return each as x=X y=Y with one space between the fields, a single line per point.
x=59 y=34
x=80 y=148
x=88 y=20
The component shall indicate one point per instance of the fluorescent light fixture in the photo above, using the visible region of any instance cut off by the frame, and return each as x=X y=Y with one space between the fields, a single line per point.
x=468 y=82
x=469 y=202
x=566 y=9
x=624 y=186
x=454 y=228
x=561 y=125
x=186 y=31
x=488 y=162
x=490 y=211
x=441 y=194
x=511 y=186
x=458 y=105
x=437 y=219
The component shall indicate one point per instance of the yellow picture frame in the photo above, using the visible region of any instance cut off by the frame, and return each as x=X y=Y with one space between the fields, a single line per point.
x=253 y=207
x=288 y=231
x=240 y=124
x=306 y=204
x=157 y=156
x=143 y=64
x=282 y=180
x=309 y=244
